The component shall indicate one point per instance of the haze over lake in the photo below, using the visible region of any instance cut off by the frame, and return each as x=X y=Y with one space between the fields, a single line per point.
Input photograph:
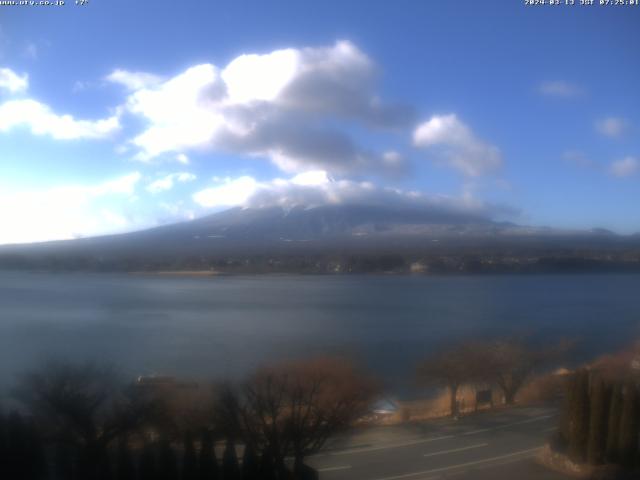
x=214 y=327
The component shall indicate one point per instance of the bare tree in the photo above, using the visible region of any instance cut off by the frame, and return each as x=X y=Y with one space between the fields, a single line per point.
x=293 y=409
x=511 y=363
x=83 y=407
x=453 y=367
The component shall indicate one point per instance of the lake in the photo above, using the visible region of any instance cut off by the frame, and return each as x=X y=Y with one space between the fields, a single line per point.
x=216 y=327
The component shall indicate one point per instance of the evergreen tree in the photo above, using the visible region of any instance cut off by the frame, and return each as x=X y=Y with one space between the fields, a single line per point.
x=3 y=445
x=24 y=453
x=37 y=457
x=168 y=461
x=250 y=463
x=148 y=468
x=628 y=439
x=207 y=462
x=103 y=468
x=189 y=459
x=64 y=462
x=230 y=467
x=125 y=468
x=598 y=422
x=579 y=416
x=267 y=466
x=613 y=423
x=565 y=417
x=17 y=448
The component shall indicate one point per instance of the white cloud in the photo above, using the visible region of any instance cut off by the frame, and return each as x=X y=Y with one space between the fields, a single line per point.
x=233 y=192
x=175 y=212
x=317 y=188
x=167 y=182
x=182 y=158
x=123 y=185
x=274 y=106
x=311 y=178
x=42 y=121
x=560 y=88
x=612 y=127
x=178 y=118
x=133 y=80
x=625 y=167
x=65 y=212
x=392 y=158
x=12 y=82
x=275 y=71
x=455 y=144
x=336 y=80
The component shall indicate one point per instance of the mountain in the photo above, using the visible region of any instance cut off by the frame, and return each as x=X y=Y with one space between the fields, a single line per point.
x=271 y=238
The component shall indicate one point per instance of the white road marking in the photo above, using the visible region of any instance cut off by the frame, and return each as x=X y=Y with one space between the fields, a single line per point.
x=522 y=422
x=462 y=465
x=432 y=439
x=394 y=445
x=454 y=450
x=333 y=469
x=482 y=467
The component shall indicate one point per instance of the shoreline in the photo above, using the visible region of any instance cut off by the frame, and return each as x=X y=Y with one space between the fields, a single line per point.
x=179 y=273
x=218 y=273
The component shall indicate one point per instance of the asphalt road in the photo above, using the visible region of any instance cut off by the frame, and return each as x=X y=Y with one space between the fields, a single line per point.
x=491 y=445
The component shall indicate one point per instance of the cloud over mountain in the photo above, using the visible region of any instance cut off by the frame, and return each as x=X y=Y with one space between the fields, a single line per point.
x=290 y=115
x=453 y=143
x=168 y=181
x=317 y=188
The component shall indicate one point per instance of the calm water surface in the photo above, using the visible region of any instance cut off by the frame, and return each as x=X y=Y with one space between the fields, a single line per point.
x=224 y=326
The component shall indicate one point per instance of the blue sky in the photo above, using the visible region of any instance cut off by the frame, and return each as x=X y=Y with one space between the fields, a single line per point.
x=121 y=115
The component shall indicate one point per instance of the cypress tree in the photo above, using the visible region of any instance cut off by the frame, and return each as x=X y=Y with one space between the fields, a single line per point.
x=189 y=459
x=36 y=459
x=64 y=463
x=598 y=423
x=168 y=461
x=563 y=435
x=24 y=452
x=3 y=445
x=579 y=417
x=267 y=466
x=147 y=468
x=103 y=469
x=613 y=423
x=17 y=448
x=230 y=467
x=208 y=464
x=628 y=440
x=250 y=463
x=125 y=468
